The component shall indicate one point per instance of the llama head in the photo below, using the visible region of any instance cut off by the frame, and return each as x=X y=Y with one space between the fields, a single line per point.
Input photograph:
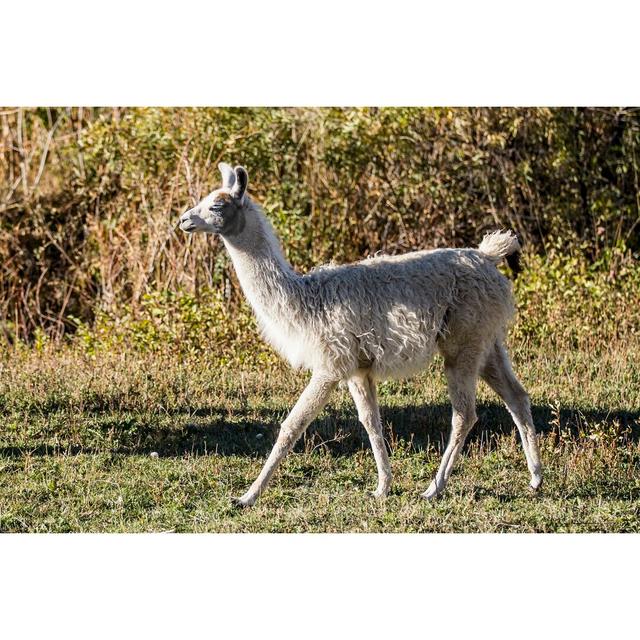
x=222 y=211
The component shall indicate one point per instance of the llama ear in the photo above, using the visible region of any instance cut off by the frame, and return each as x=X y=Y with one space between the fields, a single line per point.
x=242 y=179
x=228 y=175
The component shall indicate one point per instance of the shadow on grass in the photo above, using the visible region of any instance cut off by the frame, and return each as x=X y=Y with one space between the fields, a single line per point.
x=337 y=431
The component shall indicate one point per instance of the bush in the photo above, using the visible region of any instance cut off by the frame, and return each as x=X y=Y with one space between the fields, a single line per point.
x=91 y=199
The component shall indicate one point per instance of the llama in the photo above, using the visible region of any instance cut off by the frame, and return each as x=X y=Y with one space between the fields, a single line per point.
x=384 y=317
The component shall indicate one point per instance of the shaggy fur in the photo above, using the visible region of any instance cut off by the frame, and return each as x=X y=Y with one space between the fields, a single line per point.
x=383 y=317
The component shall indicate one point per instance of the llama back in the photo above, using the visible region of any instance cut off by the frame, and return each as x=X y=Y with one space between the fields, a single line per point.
x=388 y=313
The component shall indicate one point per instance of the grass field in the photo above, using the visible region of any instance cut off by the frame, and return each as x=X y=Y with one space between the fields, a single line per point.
x=78 y=433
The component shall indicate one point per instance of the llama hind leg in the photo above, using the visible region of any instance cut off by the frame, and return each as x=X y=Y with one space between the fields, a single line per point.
x=498 y=374
x=461 y=382
x=363 y=391
x=309 y=405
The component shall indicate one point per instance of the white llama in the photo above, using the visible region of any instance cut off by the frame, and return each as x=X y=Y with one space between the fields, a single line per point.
x=383 y=317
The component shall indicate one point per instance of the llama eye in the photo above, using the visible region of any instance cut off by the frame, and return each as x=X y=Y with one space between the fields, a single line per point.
x=216 y=206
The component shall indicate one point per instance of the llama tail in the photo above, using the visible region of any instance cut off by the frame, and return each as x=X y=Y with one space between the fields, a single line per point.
x=502 y=245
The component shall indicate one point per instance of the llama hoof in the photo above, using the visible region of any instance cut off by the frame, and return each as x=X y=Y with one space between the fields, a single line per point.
x=240 y=503
x=431 y=493
x=379 y=495
x=534 y=486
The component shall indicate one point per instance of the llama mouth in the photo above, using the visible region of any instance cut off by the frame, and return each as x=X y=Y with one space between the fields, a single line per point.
x=188 y=226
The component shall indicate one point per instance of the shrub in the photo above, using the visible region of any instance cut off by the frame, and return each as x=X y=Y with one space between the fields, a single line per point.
x=91 y=198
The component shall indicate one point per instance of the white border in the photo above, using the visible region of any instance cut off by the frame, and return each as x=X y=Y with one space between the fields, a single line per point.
x=319 y=586
x=459 y=52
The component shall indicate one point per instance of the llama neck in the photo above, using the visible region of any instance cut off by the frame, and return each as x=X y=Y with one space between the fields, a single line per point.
x=267 y=279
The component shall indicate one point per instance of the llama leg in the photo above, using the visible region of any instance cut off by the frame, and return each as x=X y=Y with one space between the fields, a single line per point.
x=498 y=374
x=363 y=391
x=461 y=382
x=309 y=405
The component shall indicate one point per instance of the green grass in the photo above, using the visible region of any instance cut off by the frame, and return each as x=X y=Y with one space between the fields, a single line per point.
x=77 y=433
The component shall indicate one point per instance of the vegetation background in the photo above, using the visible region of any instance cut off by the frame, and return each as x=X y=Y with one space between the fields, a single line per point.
x=121 y=336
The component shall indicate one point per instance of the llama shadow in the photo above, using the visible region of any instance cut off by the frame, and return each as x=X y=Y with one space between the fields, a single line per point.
x=336 y=431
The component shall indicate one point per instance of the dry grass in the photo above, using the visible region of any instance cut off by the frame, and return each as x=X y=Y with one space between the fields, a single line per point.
x=77 y=433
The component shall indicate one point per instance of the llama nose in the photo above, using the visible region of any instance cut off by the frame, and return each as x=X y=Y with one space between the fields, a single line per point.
x=185 y=216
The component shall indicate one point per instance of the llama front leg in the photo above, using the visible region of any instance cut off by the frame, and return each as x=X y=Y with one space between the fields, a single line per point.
x=309 y=405
x=363 y=391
